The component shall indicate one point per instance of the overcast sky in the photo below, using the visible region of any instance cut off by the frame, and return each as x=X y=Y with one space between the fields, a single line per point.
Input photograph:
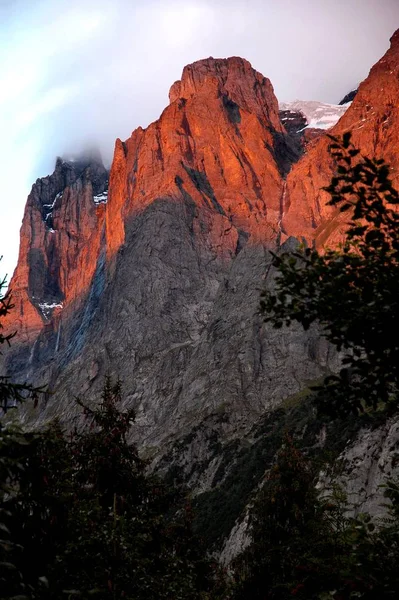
x=78 y=72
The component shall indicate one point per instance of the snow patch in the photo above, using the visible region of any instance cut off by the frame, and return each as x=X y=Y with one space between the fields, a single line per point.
x=49 y=210
x=51 y=206
x=101 y=198
x=47 y=308
x=318 y=114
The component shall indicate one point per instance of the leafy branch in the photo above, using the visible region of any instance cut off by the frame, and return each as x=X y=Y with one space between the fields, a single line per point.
x=352 y=292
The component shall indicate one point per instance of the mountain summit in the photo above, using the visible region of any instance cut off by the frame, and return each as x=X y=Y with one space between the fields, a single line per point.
x=219 y=143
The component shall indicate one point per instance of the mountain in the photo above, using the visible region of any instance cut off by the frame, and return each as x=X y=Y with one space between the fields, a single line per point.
x=152 y=273
x=194 y=202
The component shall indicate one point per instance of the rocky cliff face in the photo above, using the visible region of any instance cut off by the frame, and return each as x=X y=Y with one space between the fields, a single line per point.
x=193 y=202
x=159 y=286
x=373 y=119
x=60 y=239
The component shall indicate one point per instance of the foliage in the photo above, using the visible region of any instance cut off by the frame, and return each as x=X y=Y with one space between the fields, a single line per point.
x=5 y=307
x=105 y=528
x=289 y=529
x=242 y=465
x=17 y=478
x=351 y=292
x=305 y=545
x=32 y=505
x=312 y=549
x=80 y=516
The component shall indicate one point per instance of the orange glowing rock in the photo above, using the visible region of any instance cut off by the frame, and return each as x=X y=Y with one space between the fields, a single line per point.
x=373 y=119
x=218 y=142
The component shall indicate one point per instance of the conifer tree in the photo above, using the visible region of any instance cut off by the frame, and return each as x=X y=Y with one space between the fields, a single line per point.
x=293 y=540
x=105 y=527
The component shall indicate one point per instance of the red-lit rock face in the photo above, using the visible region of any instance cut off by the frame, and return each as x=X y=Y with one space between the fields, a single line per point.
x=218 y=141
x=373 y=119
x=233 y=77
x=59 y=247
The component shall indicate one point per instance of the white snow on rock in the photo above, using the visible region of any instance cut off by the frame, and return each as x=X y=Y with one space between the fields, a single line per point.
x=49 y=208
x=47 y=308
x=101 y=198
x=318 y=114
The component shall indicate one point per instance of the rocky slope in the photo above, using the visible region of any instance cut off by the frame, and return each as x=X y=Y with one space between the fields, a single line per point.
x=160 y=284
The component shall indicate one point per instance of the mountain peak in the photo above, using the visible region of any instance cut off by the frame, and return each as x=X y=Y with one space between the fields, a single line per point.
x=198 y=76
x=155 y=277
x=232 y=78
